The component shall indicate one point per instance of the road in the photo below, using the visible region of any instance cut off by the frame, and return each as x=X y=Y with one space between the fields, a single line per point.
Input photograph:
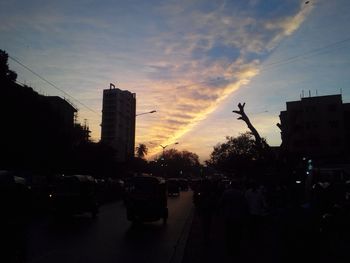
x=110 y=237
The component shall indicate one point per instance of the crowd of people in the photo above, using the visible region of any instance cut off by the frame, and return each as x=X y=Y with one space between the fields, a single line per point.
x=304 y=220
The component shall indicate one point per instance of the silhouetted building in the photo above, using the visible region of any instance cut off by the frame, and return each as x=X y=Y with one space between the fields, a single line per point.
x=316 y=127
x=118 y=122
x=37 y=132
x=64 y=109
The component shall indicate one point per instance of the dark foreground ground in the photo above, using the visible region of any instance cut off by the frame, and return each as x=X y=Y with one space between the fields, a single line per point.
x=291 y=237
x=108 y=238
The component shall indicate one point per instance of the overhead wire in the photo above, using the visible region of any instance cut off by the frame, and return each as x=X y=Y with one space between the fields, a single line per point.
x=288 y=60
x=53 y=85
x=309 y=53
x=273 y=65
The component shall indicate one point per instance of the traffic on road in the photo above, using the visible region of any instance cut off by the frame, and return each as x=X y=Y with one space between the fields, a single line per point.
x=141 y=224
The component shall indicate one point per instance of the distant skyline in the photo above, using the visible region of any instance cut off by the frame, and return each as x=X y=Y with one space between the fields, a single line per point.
x=190 y=60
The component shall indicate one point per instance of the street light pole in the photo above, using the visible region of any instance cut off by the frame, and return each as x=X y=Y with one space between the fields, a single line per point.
x=163 y=148
x=152 y=111
x=167 y=146
x=163 y=160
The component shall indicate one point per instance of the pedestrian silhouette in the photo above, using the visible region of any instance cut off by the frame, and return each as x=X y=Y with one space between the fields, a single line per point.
x=206 y=207
x=234 y=209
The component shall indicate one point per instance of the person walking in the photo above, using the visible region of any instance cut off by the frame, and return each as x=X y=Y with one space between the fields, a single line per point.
x=257 y=207
x=206 y=207
x=234 y=209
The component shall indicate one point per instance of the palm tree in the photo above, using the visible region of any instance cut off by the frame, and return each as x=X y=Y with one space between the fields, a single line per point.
x=141 y=150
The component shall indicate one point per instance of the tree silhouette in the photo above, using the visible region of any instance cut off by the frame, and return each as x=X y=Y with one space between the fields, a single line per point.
x=177 y=163
x=236 y=154
x=5 y=73
x=141 y=150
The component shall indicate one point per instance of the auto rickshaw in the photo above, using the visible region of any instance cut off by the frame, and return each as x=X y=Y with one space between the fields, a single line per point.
x=74 y=194
x=173 y=187
x=183 y=184
x=146 y=199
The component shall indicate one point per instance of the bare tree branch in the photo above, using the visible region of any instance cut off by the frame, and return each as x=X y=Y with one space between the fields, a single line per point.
x=245 y=118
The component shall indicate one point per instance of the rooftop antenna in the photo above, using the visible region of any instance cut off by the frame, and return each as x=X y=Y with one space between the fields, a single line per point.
x=309 y=93
x=302 y=94
x=316 y=93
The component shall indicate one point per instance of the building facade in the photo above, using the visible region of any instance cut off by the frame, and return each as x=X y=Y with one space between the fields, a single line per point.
x=64 y=109
x=118 y=122
x=316 y=127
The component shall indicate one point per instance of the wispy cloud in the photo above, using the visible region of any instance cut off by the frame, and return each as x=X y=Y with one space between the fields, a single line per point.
x=208 y=80
x=182 y=58
x=286 y=26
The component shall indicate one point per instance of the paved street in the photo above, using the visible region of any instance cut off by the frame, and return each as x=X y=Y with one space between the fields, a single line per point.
x=110 y=237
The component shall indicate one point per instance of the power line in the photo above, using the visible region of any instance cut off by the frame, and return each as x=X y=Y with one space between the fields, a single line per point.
x=272 y=65
x=309 y=53
x=53 y=85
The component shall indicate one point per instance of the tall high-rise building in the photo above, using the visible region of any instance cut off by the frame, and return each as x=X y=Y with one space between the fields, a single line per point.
x=118 y=122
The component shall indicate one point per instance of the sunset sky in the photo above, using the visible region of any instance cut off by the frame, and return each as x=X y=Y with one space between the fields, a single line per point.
x=191 y=60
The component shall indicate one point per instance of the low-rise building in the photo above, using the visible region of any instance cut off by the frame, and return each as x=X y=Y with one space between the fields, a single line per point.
x=316 y=127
